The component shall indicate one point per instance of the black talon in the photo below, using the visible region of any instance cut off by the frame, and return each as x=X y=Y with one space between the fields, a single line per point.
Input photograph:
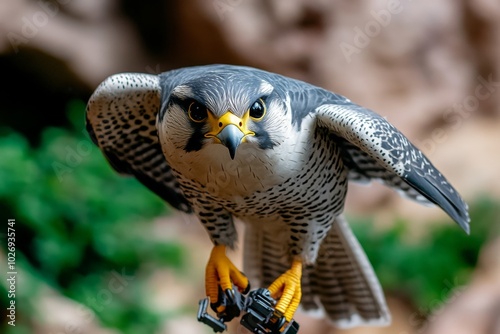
x=221 y=300
x=233 y=304
x=247 y=289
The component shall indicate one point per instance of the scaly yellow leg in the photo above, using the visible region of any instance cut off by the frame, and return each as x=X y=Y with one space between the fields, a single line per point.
x=287 y=288
x=221 y=271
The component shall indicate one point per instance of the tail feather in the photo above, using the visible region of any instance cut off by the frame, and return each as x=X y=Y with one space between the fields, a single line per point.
x=264 y=257
x=341 y=283
x=345 y=282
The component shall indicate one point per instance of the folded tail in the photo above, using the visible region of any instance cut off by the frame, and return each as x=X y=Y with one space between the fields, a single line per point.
x=341 y=283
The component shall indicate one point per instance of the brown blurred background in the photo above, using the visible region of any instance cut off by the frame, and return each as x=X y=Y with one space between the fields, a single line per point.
x=431 y=68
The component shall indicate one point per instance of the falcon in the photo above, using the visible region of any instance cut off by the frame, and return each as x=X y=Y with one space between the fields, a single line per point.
x=225 y=142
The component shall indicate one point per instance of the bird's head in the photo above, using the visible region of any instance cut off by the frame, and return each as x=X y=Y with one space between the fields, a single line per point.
x=223 y=108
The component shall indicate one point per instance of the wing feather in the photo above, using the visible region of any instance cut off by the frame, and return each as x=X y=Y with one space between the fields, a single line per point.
x=364 y=169
x=121 y=120
x=392 y=155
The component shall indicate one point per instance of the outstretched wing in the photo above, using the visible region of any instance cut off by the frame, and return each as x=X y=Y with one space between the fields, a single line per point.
x=376 y=149
x=364 y=169
x=121 y=120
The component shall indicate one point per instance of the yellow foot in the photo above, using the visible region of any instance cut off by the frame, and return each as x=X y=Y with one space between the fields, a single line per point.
x=222 y=272
x=288 y=290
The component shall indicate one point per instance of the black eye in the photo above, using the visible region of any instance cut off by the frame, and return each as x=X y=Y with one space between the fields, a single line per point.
x=257 y=110
x=197 y=112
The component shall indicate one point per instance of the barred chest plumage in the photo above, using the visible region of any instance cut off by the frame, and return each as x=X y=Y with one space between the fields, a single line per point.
x=303 y=179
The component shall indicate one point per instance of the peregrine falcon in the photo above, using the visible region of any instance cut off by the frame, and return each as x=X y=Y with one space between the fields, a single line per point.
x=226 y=142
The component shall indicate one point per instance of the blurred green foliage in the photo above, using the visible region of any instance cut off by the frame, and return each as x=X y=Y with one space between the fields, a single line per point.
x=80 y=226
x=428 y=270
x=78 y=222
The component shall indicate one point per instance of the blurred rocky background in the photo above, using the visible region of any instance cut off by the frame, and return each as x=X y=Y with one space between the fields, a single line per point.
x=99 y=254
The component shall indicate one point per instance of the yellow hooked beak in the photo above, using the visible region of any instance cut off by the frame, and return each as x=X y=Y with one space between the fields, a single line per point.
x=229 y=130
